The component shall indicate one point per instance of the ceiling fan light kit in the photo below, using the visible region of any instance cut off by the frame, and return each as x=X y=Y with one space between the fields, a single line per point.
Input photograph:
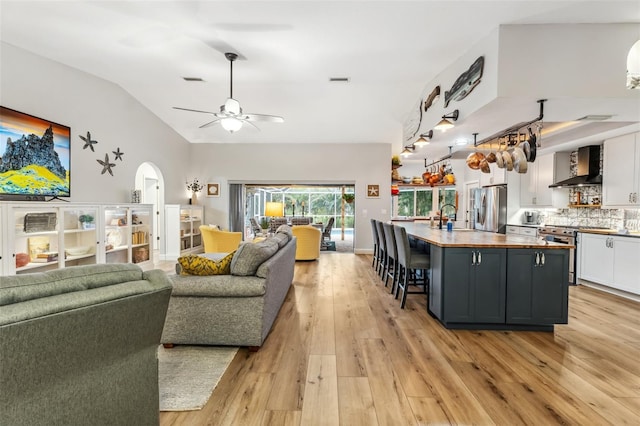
x=231 y=117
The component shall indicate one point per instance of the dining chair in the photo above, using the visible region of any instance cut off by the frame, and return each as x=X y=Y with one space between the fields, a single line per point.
x=412 y=265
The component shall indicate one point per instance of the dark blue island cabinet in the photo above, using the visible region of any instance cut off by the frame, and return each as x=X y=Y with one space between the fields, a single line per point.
x=499 y=288
x=537 y=286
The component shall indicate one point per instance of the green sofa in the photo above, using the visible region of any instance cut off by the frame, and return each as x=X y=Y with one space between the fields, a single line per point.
x=78 y=346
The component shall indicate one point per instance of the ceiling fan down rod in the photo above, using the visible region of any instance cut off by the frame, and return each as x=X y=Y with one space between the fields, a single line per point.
x=231 y=57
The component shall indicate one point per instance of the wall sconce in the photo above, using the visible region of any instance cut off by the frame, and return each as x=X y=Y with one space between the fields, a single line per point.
x=424 y=139
x=445 y=124
x=407 y=151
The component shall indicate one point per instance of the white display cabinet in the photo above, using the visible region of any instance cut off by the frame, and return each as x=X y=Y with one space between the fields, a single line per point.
x=182 y=230
x=128 y=231
x=38 y=236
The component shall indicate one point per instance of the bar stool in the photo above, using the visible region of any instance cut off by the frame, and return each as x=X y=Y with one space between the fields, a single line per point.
x=410 y=262
x=376 y=245
x=382 y=266
x=392 y=256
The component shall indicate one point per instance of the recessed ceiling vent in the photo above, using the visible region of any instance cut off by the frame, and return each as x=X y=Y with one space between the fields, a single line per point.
x=339 y=79
x=595 y=117
x=192 y=79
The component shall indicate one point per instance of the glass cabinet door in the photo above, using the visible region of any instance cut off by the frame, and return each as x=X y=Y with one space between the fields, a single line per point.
x=141 y=226
x=80 y=235
x=35 y=239
x=116 y=234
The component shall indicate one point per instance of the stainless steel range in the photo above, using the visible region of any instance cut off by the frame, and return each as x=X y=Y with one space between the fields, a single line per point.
x=563 y=235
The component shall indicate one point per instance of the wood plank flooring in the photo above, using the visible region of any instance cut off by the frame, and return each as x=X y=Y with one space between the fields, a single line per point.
x=342 y=352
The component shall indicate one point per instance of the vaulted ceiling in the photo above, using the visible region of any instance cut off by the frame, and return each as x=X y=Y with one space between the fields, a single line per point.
x=288 y=52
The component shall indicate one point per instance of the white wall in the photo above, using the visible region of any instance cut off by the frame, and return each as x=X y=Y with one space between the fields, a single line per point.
x=358 y=164
x=47 y=89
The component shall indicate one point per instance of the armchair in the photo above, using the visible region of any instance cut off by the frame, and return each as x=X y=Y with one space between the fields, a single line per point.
x=326 y=232
x=216 y=241
x=308 y=240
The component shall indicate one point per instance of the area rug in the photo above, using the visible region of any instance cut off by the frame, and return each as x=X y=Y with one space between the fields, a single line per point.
x=189 y=374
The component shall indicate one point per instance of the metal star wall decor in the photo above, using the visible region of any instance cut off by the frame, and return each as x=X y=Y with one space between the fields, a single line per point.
x=118 y=154
x=106 y=165
x=88 y=142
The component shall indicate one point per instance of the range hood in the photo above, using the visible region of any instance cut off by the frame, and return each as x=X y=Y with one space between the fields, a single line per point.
x=588 y=169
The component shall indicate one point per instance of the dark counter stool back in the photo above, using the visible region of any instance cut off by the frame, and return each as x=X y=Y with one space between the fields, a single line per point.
x=392 y=256
x=410 y=261
x=382 y=266
x=376 y=245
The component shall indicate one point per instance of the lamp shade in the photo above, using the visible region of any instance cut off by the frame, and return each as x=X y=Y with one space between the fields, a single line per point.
x=443 y=125
x=273 y=209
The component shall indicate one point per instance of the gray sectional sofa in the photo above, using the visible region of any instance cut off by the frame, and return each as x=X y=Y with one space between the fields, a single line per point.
x=78 y=346
x=236 y=309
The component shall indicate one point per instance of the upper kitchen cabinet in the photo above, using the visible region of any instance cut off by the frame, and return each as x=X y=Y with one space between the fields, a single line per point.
x=621 y=171
x=534 y=185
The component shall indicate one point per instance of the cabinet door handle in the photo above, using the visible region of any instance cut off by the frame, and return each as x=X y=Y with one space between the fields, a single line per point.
x=537 y=261
x=479 y=258
x=473 y=257
x=542 y=259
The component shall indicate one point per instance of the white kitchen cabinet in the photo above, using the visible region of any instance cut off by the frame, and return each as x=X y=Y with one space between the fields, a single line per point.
x=626 y=264
x=621 y=171
x=182 y=233
x=596 y=258
x=546 y=170
x=522 y=230
x=610 y=260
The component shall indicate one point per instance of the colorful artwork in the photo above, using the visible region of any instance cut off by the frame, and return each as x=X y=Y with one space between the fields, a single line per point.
x=35 y=155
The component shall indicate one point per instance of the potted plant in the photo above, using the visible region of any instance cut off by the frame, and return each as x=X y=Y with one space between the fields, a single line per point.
x=395 y=162
x=348 y=198
x=86 y=221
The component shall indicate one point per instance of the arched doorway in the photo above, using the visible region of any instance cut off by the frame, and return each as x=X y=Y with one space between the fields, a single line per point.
x=150 y=182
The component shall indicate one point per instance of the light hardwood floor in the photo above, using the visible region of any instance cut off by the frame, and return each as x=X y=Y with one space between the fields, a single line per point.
x=342 y=352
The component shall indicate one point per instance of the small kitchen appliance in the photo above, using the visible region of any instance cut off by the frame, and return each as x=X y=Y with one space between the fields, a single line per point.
x=530 y=218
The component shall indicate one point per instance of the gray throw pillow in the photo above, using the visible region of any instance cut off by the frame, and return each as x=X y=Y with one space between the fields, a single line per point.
x=282 y=239
x=250 y=256
x=285 y=229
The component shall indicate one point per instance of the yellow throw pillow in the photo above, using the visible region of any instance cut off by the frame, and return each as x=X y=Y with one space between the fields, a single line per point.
x=198 y=265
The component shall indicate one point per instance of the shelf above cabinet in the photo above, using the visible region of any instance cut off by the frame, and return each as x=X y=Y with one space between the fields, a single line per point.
x=593 y=206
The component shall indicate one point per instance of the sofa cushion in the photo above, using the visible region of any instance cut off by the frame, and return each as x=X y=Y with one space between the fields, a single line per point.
x=250 y=256
x=217 y=286
x=281 y=238
x=20 y=288
x=285 y=229
x=199 y=265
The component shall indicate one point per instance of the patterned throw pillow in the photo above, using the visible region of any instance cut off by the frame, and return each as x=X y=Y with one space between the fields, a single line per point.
x=198 y=265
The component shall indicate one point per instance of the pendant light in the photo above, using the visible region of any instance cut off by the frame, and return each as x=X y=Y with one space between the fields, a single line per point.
x=445 y=124
x=424 y=139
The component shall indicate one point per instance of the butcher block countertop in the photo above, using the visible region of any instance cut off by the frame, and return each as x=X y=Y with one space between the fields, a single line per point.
x=605 y=231
x=471 y=238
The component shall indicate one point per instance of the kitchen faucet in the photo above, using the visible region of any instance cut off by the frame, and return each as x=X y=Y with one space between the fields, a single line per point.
x=441 y=208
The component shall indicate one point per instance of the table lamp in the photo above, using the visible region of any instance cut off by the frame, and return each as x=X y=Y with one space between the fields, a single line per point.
x=273 y=209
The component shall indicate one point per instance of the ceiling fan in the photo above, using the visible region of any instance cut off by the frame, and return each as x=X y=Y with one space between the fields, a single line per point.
x=231 y=117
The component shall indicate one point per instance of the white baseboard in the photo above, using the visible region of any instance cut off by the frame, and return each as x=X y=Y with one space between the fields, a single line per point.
x=363 y=251
x=621 y=293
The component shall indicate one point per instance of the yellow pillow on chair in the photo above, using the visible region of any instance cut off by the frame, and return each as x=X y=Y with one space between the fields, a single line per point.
x=198 y=265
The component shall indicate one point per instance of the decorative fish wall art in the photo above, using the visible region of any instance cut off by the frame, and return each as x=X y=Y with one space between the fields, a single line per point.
x=435 y=94
x=464 y=84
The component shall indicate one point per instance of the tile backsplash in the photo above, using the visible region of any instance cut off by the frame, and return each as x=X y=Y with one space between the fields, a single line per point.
x=594 y=217
x=590 y=216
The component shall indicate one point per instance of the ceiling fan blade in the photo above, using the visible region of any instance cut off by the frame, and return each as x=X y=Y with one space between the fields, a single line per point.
x=263 y=117
x=195 y=110
x=210 y=123
x=250 y=123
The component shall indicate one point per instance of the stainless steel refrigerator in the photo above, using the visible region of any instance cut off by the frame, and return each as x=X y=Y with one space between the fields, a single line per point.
x=490 y=209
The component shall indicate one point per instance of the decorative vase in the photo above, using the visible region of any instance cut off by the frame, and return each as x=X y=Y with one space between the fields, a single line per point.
x=194 y=198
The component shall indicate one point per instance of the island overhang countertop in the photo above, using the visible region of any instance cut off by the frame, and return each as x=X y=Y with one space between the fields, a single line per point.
x=472 y=238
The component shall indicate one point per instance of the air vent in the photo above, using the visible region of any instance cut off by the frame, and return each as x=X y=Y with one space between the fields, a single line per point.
x=339 y=79
x=595 y=117
x=192 y=79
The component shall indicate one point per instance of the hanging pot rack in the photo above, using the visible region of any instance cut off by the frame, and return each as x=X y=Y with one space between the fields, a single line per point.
x=436 y=162
x=512 y=135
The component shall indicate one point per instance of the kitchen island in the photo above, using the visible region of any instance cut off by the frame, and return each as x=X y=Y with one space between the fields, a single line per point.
x=489 y=281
